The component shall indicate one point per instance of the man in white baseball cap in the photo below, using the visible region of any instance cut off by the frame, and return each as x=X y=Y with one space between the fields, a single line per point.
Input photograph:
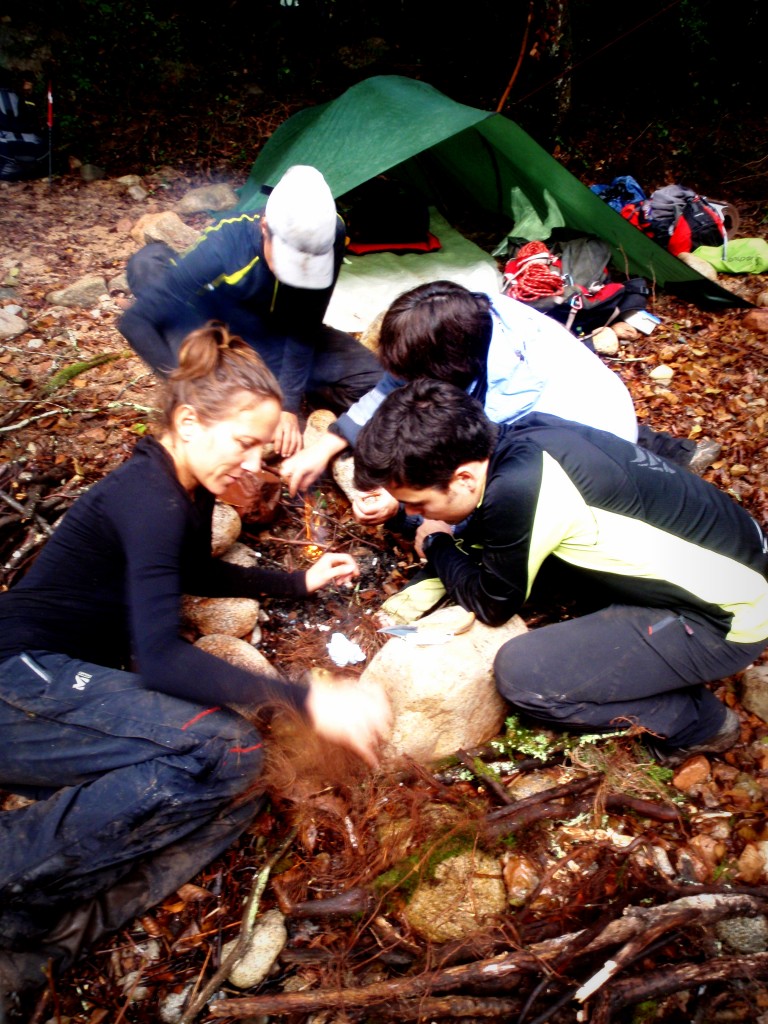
x=269 y=277
x=299 y=228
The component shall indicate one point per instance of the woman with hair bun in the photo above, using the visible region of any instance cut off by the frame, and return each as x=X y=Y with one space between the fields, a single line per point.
x=108 y=718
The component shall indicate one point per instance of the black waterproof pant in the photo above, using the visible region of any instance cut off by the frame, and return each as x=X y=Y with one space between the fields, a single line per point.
x=620 y=666
x=136 y=792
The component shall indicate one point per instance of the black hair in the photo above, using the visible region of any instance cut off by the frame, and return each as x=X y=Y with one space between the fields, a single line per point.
x=440 y=330
x=420 y=435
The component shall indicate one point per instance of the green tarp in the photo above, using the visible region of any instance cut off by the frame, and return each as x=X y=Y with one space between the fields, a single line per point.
x=461 y=159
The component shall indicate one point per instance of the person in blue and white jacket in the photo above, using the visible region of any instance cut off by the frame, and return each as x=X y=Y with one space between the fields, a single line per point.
x=512 y=358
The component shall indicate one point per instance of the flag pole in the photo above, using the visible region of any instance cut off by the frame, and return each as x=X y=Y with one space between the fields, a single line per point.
x=50 y=135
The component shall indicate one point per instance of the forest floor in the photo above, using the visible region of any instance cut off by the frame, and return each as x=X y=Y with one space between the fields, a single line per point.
x=608 y=832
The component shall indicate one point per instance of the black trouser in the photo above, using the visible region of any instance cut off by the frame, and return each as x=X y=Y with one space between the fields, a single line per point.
x=137 y=792
x=342 y=370
x=619 y=666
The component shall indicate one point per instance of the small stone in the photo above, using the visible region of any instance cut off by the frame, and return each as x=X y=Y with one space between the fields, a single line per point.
x=138 y=193
x=208 y=198
x=317 y=425
x=82 y=293
x=232 y=616
x=240 y=554
x=744 y=934
x=11 y=326
x=753 y=866
x=699 y=265
x=265 y=944
x=754 y=691
x=226 y=528
x=692 y=773
x=238 y=653
x=756 y=320
x=165 y=227
x=606 y=341
x=662 y=373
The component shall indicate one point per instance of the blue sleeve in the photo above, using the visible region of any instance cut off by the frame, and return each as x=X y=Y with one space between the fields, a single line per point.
x=350 y=423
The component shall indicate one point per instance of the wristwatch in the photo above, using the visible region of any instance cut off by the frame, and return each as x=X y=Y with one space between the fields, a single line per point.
x=428 y=541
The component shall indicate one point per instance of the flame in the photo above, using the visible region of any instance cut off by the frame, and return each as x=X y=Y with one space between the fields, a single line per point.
x=313 y=551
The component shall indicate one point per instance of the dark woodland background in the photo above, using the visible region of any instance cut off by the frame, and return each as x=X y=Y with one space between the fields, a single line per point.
x=147 y=82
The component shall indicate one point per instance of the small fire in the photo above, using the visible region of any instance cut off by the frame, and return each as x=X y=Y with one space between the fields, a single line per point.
x=313 y=532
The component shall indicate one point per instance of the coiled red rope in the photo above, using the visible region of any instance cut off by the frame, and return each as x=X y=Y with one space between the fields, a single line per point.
x=531 y=275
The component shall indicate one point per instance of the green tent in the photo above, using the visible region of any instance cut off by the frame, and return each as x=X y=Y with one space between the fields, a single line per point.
x=461 y=159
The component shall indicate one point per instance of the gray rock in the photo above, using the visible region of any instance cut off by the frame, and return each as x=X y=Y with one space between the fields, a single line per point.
x=138 y=193
x=81 y=294
x=744 y=934
x=209 y=197
x=443 y=696
x=754 y=691
x=11 y=326
x=90 y=172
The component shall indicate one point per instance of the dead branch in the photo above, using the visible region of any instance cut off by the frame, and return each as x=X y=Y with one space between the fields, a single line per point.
x=653 y=984
x=500 y=969
x=486 y=777
x=453 y=1007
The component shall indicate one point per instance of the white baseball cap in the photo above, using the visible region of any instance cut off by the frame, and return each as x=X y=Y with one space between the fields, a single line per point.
x=301 y=218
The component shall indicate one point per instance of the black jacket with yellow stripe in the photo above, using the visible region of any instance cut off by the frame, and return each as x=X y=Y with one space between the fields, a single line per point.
x=652 y=534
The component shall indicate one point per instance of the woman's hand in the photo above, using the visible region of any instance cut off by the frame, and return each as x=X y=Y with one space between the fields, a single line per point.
x=372 y=507
x=354 y=714
x=287 y=439
x=332 y=567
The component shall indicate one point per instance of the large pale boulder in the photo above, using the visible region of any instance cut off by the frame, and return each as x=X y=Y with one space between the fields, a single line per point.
x=443 y=695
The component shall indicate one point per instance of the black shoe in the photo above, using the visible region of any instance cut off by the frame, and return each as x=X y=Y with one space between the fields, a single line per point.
x=725 y=737
x=704 y=454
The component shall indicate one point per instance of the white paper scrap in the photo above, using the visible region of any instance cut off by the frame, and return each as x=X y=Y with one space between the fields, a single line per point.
x=342 y=651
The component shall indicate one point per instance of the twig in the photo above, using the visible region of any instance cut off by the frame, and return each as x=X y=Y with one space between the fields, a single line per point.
x=486 y=776
x=249 y=916
x=25 y=513
x=58 y=411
